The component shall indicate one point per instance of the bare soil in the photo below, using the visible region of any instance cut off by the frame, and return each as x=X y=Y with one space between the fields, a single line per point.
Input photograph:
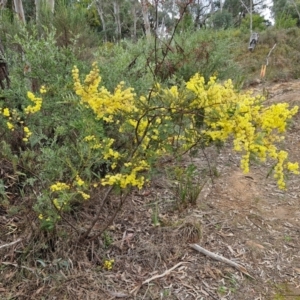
x=242 y=217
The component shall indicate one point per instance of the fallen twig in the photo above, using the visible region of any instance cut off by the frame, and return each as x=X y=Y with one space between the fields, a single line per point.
x=167 y=272
x=221 y=259
x=163 y=274
x=118 y=295
x=10 y=244
x=17 y=266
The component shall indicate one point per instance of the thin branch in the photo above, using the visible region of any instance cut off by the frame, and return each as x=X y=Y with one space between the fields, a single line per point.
x=242 y=2
x=158 y=65
x=221 y=259
x=10 y=244
x=109 y=222
x=167 y=272
x=86 y=233
x=296 y=8
x=59 y=211
x=267 y=58
x=208 y=163
x=17 y=266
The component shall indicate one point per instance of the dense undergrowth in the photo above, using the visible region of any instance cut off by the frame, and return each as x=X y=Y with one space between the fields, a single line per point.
x=67 y=139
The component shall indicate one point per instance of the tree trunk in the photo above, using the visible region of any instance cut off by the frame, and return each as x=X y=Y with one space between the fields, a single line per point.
x=18 y=5
x=40 y=3
x=296 y=8
x=99 y=5
x=2 y=3
x=146 y=18
x=212 y=7
x=116 y=6
x=134 y=16
x=3 y=69
x=51 y=4
x=37 y=9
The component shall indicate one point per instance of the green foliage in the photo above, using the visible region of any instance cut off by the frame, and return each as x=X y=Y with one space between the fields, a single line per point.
x=235 y=7
x=53 y=130
x=155 y=215
x=222 y=20
x=186 y=23
x=285 y=291
x=145 y=62
x=8 y=24
x=205 y=51
x=258 y=23
x=188 y=185
x=125 y=60
x=285 y=21
x=107 y=240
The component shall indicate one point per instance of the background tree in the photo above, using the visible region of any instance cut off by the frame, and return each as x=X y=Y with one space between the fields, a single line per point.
x=145 y=12
x=222 y=19
x=18 y=8
x=285 y=11
x=116 y=13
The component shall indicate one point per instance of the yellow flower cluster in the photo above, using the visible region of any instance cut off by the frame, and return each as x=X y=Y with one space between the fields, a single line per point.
x=41 y=217
x=14 y=117
x=185 y=117
x=132 y=179
x=84 y=195
x=62 y=189
x=79 y=181
x=27 y=134
x=108 y=264
x=59 y=186
x=57 y=203
x=104 y=104
x=31 y=109
x=6 y=112
x=254 y=127
x=43 y=90
x=10 y=126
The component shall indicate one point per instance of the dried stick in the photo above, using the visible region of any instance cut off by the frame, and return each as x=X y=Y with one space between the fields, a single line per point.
x=163 y=274
x=109 y=222
x=17 y=266
x=221 y=259
x=167 y=272
x=87 y=232
x=267 y=58
x=10 y=244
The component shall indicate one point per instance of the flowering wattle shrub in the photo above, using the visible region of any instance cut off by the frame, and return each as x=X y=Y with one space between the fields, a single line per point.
x=180 y=118
x=120 y=136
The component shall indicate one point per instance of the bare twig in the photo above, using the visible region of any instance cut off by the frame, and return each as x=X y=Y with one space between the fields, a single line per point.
x=118 y=295
x=167 y=272
x=267 y=58
x=163 y=274
x=109 y=222
x=221 y=259
x=87 y=232
x=17 y=266
x=10 y=244
x=158 y=65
